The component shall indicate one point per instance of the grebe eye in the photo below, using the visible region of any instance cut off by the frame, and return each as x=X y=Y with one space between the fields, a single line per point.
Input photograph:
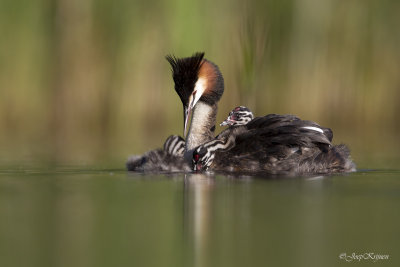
x=196 y=157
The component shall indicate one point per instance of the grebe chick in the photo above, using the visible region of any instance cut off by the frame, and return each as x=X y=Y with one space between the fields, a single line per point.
x=175 y=145
x=204 y=154
x=169 y=159
x=238 y=116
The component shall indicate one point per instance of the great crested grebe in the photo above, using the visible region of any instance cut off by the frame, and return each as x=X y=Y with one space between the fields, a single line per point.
x=273 y=143
x=200 y=85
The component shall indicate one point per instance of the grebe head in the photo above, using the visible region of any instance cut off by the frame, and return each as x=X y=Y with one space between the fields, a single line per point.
x=196 y=79
x=202 y=158
x=238 y=116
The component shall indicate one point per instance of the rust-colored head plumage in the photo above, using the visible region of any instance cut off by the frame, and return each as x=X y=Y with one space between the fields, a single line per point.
x=213 y=82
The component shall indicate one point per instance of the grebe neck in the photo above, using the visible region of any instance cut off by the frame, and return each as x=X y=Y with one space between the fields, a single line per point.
x=202 y=125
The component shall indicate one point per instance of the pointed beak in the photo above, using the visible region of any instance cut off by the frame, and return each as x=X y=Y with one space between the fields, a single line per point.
x=228 y=121
x=186 y=115
x=224 y=123
x=197 y=167
x=188 y=110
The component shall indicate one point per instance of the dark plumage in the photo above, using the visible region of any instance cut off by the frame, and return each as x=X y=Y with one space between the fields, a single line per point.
x=281 y=159
x=275 y=144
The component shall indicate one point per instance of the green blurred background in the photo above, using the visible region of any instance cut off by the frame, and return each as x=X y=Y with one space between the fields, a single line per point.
x=86 y=82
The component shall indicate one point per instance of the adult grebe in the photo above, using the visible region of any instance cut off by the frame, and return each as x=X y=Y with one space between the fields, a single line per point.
x=273 y=143
x=200 y=85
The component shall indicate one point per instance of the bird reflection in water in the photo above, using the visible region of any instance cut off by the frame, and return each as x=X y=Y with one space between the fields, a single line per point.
x=198 y=189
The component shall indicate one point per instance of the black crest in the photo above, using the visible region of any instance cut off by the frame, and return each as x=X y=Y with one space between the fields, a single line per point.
x=185 y=73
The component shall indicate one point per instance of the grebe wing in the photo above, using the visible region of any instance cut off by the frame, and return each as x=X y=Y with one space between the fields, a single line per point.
x=287 y=125
x=271 y=121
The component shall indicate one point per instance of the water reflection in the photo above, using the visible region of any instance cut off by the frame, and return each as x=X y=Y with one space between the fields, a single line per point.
x=217 y=218
x=294 y=221
x=95 y=219
x=198 y=190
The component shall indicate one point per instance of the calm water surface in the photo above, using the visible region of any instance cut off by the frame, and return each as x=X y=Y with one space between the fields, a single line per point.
x=93 y=217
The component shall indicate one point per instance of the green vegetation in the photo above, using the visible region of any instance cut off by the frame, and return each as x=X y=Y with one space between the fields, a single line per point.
x=86 y=81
